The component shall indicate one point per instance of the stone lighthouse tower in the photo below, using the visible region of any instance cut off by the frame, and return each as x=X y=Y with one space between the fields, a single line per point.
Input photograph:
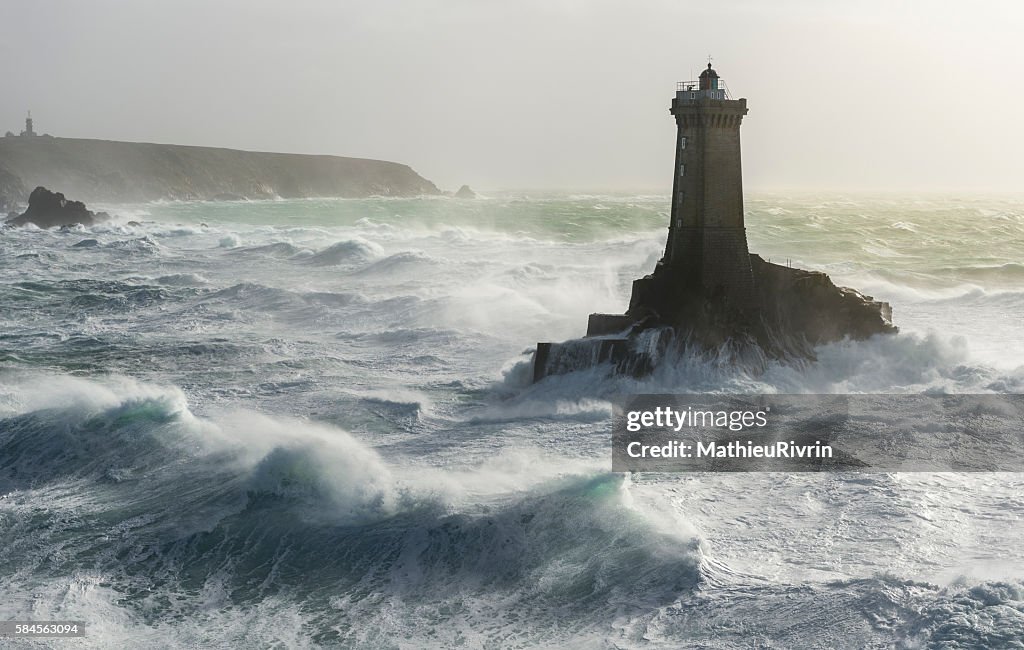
x=708 y=292
x=707 y=241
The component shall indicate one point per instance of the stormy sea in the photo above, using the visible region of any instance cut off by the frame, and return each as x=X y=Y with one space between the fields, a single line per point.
x=311 y=423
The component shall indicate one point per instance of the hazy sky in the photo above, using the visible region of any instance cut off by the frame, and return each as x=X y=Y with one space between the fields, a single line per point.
x=538 y=93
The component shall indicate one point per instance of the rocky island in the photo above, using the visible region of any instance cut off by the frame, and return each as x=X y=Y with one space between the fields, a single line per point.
x=465 y=192
x=115 y=172
x=48 y=209
x=708 y=291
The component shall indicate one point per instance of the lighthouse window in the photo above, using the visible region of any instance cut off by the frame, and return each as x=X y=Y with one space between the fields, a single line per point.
x=682 y=169
x=693 y=95
x=682 y=142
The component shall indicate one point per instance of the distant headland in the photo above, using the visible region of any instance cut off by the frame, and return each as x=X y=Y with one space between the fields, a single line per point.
x=114 y=172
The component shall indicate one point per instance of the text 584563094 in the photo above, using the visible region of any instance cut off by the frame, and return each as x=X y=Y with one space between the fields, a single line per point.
x=42 y=628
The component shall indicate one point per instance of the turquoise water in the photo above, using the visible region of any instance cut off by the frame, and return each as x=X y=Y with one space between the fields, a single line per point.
x=309 y=424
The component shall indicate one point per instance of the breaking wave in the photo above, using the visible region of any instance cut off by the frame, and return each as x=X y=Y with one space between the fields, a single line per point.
x=316 y=515
x=347 y=252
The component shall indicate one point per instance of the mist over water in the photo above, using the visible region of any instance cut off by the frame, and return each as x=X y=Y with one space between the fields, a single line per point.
x=310 y=423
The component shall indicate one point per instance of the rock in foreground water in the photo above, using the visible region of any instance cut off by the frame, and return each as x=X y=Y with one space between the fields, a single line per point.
x=48 y=209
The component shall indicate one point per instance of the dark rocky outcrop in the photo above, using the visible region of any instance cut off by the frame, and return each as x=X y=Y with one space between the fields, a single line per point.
x=808 y=303
x=465 y=193
x=48 y=209
x=796 y=311
x=113 y=172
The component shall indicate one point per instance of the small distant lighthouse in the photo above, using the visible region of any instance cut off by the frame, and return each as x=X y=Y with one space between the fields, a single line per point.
x=28 y=132
x=707 y=241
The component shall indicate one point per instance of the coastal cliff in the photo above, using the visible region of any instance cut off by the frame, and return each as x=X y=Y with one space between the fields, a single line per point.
x=111 y=172
x=11 y=191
